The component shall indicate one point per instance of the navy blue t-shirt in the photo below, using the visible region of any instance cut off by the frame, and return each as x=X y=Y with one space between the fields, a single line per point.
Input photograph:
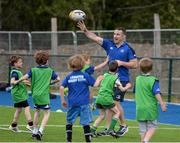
x=123 y=53
x=156 y=88
x=14 y=74
x=78 y=84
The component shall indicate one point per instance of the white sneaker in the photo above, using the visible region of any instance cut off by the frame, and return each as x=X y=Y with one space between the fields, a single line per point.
x=14 y=129
x=122 y=130
x=30 y=128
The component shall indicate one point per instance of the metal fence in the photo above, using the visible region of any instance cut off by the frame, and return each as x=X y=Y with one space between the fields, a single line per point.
x=62 y=44
x=146 y=42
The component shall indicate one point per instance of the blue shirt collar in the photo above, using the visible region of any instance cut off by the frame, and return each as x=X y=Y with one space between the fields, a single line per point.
x=42 y=66
x=124 y=43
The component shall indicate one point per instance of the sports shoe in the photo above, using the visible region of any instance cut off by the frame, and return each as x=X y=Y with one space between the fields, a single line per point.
x=103 y=133
x=39 y=136
x=112 y=133
x=93 y=134
x=122 y=130
x=30 y=128
x=14 y=129
x=33 y=135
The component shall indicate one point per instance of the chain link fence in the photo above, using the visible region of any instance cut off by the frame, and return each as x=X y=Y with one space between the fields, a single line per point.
x=63 y=44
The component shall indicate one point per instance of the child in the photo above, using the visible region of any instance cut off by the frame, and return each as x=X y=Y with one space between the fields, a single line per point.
x=117 y=97
x=41 y=77
x=147 y=96
x=19 y=94
x=105 y=100
x=78 y=84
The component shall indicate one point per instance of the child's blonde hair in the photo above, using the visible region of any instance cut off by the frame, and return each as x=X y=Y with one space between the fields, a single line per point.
x=146 y=65
x=76 y=62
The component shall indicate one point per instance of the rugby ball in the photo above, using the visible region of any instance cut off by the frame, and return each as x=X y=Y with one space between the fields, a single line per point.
x=77 y=15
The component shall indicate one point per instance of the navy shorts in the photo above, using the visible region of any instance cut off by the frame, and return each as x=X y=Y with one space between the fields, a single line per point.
x=100 y=106
x=43 y=107
x=21 y=104
x=118 y=94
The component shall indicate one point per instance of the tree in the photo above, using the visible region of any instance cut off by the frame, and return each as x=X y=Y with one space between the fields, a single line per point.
x=35 y=15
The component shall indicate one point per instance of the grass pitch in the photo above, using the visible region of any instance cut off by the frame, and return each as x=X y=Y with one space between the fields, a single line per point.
x=55 y=130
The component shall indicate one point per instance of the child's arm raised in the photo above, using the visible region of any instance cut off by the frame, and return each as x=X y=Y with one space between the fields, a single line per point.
x=100 y=66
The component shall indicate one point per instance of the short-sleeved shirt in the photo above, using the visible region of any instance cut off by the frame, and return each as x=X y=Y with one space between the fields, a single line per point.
x=41 y=77
x=78 y=84
x=123 y=53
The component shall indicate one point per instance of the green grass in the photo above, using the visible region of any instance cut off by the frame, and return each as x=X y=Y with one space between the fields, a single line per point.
x=55 y=130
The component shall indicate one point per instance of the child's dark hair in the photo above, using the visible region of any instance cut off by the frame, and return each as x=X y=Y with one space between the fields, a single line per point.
x=14 y=59
x=76 y=62
x=146 y=65
x=41 y=57
x=113 y=66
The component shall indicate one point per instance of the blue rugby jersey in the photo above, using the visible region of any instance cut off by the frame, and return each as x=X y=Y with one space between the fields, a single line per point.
x=78 y=84
x=123 y=53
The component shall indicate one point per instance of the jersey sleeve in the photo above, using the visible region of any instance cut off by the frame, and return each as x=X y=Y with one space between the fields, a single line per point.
x=90 y=80
x=14 y=74
x=90 y=70
x=131 y=54
x=105 y=45
x=54 y=75
x=156 y=88
x=64 y=82
x=29 y=73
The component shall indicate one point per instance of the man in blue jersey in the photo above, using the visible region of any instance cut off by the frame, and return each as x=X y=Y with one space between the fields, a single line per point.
x=116 y=49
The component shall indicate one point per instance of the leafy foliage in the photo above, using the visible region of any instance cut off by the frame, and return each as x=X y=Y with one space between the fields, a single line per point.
x=30 y=15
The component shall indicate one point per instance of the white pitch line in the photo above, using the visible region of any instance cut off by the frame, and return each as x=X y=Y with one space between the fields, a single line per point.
x=79 y=126
x=20 y=131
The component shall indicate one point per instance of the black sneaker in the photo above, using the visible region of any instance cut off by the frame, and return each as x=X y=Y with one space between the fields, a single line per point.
x=103 y=133
x=93 y=134
x=122 y=130
x=112 y=133
x=39 y=136
x=34 y=135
